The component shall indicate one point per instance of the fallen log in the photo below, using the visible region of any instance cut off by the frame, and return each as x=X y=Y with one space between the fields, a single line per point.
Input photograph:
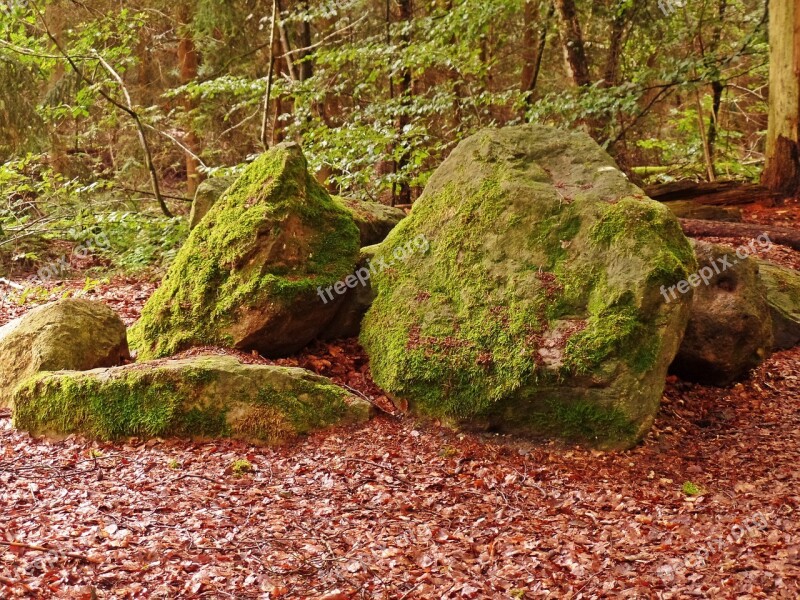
x=717 y=193
x=784 y=236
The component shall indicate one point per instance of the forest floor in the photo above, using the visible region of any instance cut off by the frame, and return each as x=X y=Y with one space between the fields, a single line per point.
x=396 y=509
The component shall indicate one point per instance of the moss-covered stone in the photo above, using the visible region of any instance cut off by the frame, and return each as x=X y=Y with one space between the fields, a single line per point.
x=249 y=274
x=201 y=397
x=374 y=220
x=781 y=288
x=537 y=308
x=68 y=334
x=730 y=330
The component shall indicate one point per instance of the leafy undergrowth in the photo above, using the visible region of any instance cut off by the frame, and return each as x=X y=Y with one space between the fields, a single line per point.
x=397 y=509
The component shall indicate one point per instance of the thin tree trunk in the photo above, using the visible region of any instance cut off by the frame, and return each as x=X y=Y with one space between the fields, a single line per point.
x=611 y=71
x=717 y=87
x=189 y=60
x=404 y=92
x=286 y=46
x=306 y=70
x=270 y=74
x=534 y=43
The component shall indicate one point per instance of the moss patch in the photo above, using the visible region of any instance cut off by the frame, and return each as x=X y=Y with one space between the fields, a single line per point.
x=583 y=420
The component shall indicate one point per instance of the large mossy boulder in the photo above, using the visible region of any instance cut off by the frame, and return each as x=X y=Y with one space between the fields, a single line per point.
x=200 y=397
x=537 y=307
x=730 y=330
x=781 y=287
x=68 y=334
x=249 y=274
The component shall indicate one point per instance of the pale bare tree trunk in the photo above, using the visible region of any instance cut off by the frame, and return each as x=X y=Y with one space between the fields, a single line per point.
x=782 y=169
x=189 y=61
x=270 y=75
x=404 y=92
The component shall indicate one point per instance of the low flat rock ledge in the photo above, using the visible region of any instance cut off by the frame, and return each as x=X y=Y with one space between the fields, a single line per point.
x=199 y=398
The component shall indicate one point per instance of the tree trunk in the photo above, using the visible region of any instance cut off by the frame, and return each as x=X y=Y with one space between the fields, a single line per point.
x=719 y=193
x=782 y=169
x=533 y=45
x=403 y=195
x=784 y=236
x=306 y=70
x=572 y=39
x=189 y=60
x=611 y=71
x=717 y=87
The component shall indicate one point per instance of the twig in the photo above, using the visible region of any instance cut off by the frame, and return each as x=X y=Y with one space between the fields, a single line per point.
x=36 y=548
x=188 y=475
x=11 y=284
x=325 y=39
x=408 y=593
x=150 y=193
x=10 y=582
x=178 y=143
x=148 y=156
x=365 y=397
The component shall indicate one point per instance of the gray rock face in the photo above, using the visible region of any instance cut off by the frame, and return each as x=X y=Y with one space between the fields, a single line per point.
x=730 y=329
x=356 y=303
x=536 y=308
x=199 y=397
x=68 y=334
x=374 y=220
x=781 y=287
x=208 y=192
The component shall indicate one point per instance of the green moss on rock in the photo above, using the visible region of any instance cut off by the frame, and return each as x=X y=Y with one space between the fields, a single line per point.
x=540 y=290
x=202 y=397
x=248 y=274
